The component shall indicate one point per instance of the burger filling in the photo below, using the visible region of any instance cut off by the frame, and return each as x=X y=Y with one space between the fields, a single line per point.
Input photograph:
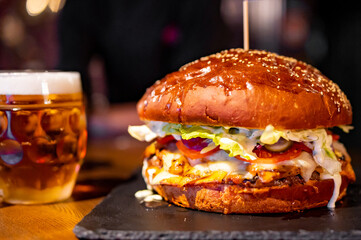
x=187 y=154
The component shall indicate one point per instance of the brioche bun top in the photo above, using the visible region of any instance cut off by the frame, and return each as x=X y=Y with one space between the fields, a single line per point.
x=250 y=89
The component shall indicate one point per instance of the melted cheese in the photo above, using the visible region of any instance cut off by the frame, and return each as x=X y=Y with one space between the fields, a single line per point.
x=227 y=166
x=168 y=160
x=304 y=161
x=161 y=176
x=221 y=161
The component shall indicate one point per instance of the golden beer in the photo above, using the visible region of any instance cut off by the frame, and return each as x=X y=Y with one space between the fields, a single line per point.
x=42 y=135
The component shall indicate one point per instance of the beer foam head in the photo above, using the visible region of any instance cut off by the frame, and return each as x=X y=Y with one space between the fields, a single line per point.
x=39 y=83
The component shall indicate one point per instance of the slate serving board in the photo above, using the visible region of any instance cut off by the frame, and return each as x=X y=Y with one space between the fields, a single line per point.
x=121 y=216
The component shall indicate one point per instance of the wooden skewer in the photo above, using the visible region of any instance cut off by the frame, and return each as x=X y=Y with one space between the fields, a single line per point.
x=245 y=25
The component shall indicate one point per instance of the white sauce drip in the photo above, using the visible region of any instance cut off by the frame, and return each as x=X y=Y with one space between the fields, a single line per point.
x=147 y=196
x=153 y=197
x=141 y=194
x=336 y=189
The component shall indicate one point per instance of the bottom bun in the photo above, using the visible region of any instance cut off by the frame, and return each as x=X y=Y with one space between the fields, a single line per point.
x=225 y=198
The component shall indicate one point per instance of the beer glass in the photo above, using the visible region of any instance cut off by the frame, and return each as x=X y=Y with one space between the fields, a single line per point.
x=42 y=135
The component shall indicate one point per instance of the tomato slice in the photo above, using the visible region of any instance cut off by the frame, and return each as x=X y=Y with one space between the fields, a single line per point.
x=268 y=157
x=194 y=154
x=165 y=140
x=335 y=137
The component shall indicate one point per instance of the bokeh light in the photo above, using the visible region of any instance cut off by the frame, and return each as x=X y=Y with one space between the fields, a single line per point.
x=36 y=7
x=56 y=5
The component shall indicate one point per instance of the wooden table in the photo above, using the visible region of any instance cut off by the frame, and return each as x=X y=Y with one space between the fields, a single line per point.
x=111 y=159
x=52 y=221
x=109 y=162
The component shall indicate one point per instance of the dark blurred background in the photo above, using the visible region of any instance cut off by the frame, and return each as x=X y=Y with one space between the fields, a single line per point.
x=121 y=47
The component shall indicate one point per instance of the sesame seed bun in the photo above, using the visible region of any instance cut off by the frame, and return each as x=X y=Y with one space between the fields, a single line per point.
x=250 y=89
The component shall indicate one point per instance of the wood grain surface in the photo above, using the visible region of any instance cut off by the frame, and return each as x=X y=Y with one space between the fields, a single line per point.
x=111 y=160
x=51 y=221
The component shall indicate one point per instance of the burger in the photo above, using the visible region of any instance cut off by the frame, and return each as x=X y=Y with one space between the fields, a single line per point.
x=245 y=131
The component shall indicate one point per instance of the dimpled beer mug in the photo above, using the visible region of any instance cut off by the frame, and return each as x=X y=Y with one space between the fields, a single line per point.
x=42 y=135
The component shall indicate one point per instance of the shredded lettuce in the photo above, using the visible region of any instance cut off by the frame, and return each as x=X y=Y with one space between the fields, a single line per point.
x=234 y=144
x=142 y=133
x=195 y=131
x=346 y=128
x=271 y=136
x=241 y=141
x=323 y=153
